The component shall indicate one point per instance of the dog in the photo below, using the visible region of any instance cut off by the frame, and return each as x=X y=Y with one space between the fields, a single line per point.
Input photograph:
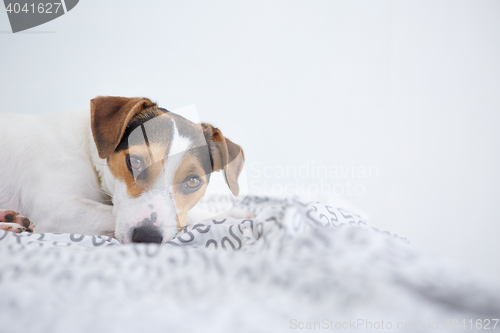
x=128 y=169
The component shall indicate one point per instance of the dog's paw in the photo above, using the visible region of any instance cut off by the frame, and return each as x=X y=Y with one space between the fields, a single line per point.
x=236 y=214
x=12 y=221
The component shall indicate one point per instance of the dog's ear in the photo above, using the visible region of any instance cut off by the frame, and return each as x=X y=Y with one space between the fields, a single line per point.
x=225 y=155
x=110 y=117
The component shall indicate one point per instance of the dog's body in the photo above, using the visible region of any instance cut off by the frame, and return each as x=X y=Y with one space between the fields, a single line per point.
x=102 y=174
x=49 y=173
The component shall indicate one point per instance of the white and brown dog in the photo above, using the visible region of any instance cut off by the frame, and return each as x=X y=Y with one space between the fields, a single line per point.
x=127 y=169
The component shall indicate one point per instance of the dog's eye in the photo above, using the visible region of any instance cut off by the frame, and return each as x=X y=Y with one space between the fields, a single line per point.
x=135 y=162
x=191 y=184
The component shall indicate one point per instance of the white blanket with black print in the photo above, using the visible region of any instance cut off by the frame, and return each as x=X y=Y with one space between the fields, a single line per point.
x=296 y=266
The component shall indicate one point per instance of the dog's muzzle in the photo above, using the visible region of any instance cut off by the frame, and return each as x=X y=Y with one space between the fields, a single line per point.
x=147 y=234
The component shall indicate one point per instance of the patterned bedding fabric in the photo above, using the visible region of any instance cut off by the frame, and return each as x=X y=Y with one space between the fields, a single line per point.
x=295 y=266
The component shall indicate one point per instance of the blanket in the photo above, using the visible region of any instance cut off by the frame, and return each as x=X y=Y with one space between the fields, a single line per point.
x=296 y=265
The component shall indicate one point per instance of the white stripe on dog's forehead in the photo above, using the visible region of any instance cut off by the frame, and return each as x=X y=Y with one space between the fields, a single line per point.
x=179 y=144
x=178 y=147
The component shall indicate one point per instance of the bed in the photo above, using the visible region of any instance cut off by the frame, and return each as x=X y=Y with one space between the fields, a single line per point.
x=296 y=266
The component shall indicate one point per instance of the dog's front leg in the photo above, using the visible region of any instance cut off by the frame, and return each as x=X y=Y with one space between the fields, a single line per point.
x=76 y=216
x=96 y=218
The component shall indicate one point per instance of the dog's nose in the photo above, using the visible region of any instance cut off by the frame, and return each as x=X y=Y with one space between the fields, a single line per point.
x=147 y=235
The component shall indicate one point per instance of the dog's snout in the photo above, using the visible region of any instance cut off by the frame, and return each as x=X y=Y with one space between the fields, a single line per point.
x=147 y=235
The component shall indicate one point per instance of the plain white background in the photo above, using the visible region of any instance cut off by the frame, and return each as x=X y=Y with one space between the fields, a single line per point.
x=409 y=88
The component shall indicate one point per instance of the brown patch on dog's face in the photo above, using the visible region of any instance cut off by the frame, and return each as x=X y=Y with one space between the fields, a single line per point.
x=186 y=197
x=147 y=141
x=137 y=183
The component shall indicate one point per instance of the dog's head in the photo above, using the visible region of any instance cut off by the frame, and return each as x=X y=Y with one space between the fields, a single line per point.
x=160 y=165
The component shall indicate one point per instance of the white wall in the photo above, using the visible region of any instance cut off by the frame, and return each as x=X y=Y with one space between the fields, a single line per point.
x=411 y=89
